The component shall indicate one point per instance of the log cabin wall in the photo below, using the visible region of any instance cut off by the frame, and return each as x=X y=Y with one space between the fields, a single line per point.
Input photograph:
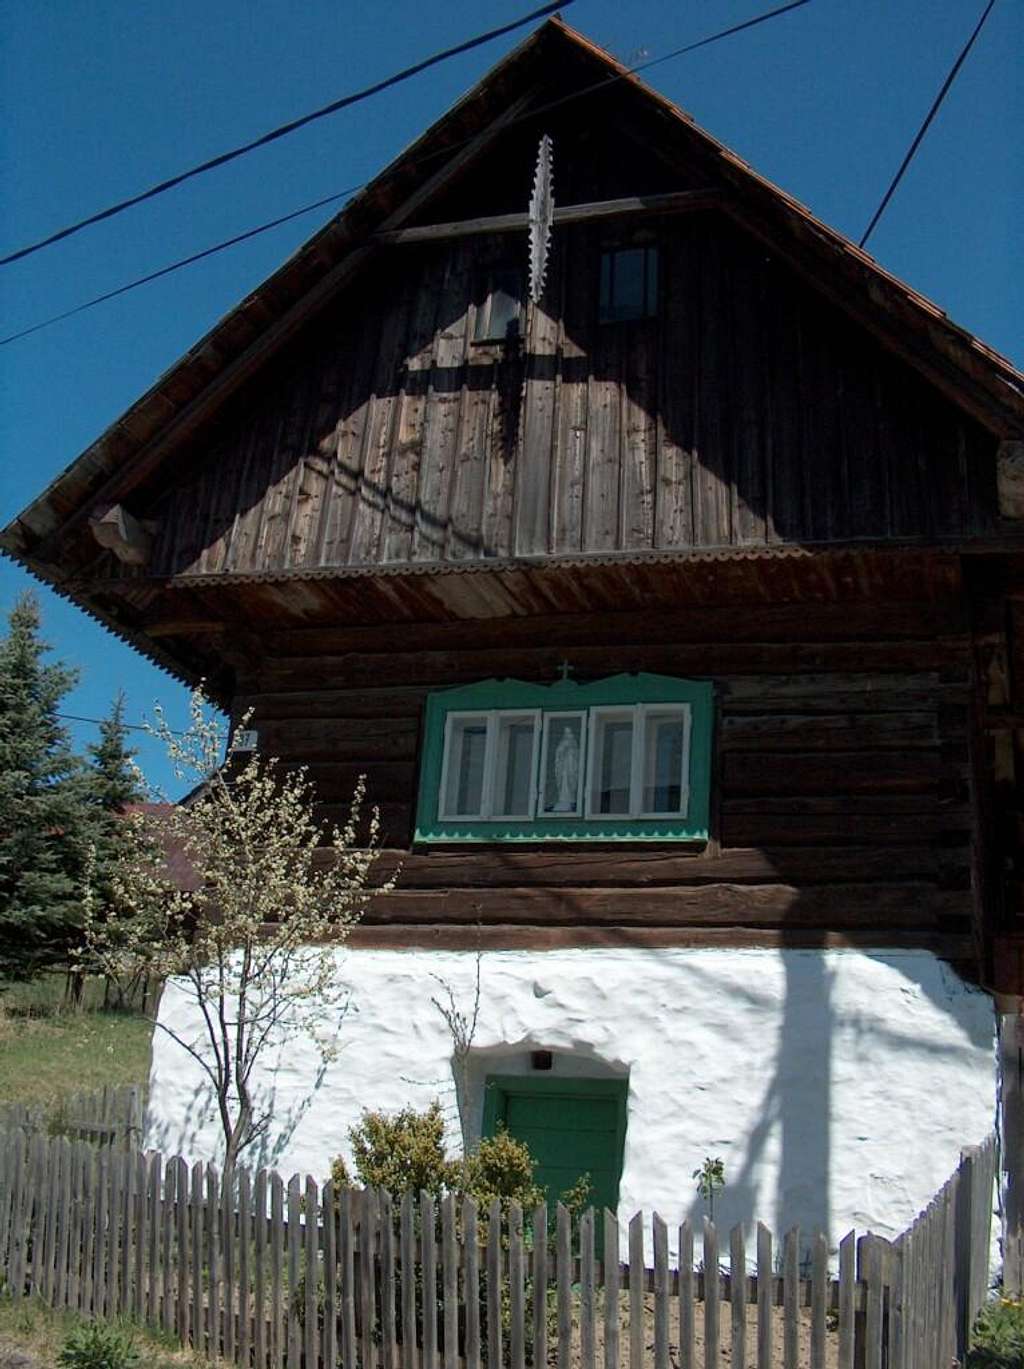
x=841 y=798
x=747 y=412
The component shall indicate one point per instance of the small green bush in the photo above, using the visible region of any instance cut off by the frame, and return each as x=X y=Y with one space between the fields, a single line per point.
x=98 y=1346
x=998 y=1341
x=403 y=1152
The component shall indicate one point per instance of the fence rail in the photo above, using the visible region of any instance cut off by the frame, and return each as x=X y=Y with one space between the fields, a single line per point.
x=299 y=1276
x=107 y=1117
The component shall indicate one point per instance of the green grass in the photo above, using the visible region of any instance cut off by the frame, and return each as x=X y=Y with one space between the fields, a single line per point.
x=35 y=1329
x=48 y=1051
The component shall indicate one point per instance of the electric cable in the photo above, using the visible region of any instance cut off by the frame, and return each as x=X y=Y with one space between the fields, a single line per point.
x=924 y=127
x=351 y=190
x=223 y=158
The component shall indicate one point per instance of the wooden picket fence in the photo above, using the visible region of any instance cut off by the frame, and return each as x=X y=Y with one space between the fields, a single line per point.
x=106 y=1117
x=301 y=1276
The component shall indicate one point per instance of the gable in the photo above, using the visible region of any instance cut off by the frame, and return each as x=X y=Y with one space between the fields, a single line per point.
x=789 y=391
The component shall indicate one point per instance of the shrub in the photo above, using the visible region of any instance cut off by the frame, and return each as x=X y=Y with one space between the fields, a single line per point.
x=998 y=1341
x=403 y=1152
x=98 y=1346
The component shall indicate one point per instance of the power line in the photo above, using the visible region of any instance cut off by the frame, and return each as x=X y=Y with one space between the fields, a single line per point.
x=924 y=127
x=442 y=152
x=223 y=158
x=128 y=727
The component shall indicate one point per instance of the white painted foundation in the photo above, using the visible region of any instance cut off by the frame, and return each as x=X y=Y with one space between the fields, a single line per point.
x=838 y=1087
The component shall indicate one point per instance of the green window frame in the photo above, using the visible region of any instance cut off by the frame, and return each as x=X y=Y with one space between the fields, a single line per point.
x=639 y=767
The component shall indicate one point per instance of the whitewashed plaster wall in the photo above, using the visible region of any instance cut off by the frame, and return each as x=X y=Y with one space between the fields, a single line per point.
x=838 y=1087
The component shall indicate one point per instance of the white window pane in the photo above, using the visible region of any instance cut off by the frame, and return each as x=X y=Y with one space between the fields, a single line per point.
x=665 y=746
x=514 y=780
x=467 y=752
x=613 y=765
x=563 y=764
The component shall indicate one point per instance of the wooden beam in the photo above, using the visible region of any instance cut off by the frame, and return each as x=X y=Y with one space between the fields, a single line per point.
x=438 y=937
x=121 y=532
x=633 y=206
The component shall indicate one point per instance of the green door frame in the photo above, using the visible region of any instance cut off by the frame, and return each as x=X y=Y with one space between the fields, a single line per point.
x=498 y=1088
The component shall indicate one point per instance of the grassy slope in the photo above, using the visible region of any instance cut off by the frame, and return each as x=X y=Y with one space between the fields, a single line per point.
x=47 y=1053
x=35 y=1330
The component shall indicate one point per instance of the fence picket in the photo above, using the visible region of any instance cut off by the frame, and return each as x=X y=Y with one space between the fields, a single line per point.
x=154 y=1191
x=586 y=1314
x=99 y=1248
x=347 y=1280
x=213 y=1254
x=37 y=1213
x=115 y=1212
x=183 y=1291
x=49 y=1215
x=310 y=1272
x=450 y=1286
x=294 y=1237
x=636 y=1291
x=277 y=1293
x=428 y=1246
x=819 y=1292
x=389 y=1336
x=76 y=1228
x=712 y=1296
x=407 y=1254
x=738 y=1294
x=611 y=1291
x=765 y=1278
x=869 y=1261
x=540 y=1286
x=493 y=1292
x=262 y=1216
x=659 y=1236
x=196 y=1212
x=791 y=1299
x=62 y=1253
x=229 y=1262
x=244 y=1338
x=330 y=1326
x=687 y=1342
x=847 y=1313
x=20 y=1201
x=470 y=1285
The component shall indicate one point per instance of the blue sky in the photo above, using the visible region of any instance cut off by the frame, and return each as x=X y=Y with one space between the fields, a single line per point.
x=102 y=99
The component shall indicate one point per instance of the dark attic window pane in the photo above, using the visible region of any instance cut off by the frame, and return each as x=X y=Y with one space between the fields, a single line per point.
x=498 y=316
x=629 y=284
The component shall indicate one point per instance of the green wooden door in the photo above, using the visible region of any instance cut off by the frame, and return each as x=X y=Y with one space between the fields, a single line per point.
x=572 y=1127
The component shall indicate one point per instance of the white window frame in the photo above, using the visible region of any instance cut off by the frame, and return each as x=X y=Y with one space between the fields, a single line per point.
x=550 y=717
x=638 y=715
x=492 y=719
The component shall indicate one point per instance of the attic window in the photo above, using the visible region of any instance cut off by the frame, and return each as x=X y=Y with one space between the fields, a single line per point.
x=497 y=318
x=629 y=284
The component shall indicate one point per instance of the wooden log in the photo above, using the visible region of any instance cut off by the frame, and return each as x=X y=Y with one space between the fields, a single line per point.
x=637 y=1335
x=738 y=1295
x=819 y=1294
x=293 y=1236
x=564 y=1281
x=791 y=1299
x=494 y=1280
x=540 y=1285
x=687 y=1298
x=661 y=1292
x=765 y=1284
x=712 y=1297
x=517 y=1290
x=197 y=1212
x=470 y=1287
x=311 y=1274
x=407 y=1242
x=428 y=1248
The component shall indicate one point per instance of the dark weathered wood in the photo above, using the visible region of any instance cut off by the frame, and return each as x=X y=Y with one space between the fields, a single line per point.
x=564 y=1277
x=637 y=1329
x=516 y=1290
x=386 y=1245
x=216 y=1309
x=610 y=1250
x=347 y=1274
x=407 y=1247
x=819 y=1296
x=765 y=1278
x=450 y=1283
x=471 y=1287
x=261 y=1212
x=278 y=1294
x=791 y=1299
x=293 y=1233
x=712 y=1296
x=311 y=1270
x=369 y=1216
x=494 y=1281
x=428 y=1249
x=329 y=1343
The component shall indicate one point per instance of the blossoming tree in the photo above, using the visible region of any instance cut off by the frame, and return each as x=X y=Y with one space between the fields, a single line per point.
x=251 y=934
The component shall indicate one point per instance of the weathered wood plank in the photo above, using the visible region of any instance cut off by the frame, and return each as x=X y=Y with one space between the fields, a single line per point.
x=712 y=1297
x=610 y=1249
x=407 y=1243
x=687 y=1295
x=765 y=1279
x=738 y=1295
x=278 y=1292
x=471 y=1288
x=428 y=1248
x=637 y=1336
x=311 y=1272
x=661 y=1292
x=564 y=1278
x=516 y=1290
x=791 y=1299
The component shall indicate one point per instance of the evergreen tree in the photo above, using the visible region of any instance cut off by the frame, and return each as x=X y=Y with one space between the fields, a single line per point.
x=42 y=826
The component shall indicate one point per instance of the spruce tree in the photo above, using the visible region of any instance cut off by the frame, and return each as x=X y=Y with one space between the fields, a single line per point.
x=42 y=836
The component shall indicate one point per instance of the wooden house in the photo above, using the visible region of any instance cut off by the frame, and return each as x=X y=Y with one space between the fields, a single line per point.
x=674 y=616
